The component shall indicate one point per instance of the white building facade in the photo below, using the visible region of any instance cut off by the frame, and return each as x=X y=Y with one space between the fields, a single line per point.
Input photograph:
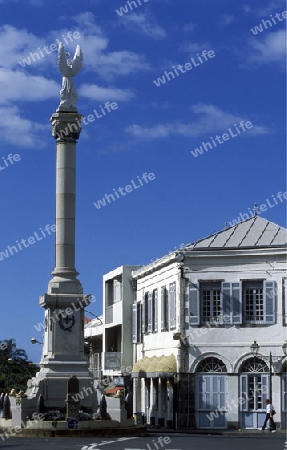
x=109 y=336
x=209 y=331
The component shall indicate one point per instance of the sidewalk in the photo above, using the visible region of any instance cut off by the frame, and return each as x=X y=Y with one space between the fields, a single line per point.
x=214 y=432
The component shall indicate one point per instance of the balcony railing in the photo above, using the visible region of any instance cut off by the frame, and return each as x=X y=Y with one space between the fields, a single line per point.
x=109 y=314
x=112 y=361
x=95 y=364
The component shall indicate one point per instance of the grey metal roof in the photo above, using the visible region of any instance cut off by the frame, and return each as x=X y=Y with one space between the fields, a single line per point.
x=253 y=232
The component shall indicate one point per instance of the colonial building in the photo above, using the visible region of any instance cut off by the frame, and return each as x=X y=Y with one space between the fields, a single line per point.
x=209 y=330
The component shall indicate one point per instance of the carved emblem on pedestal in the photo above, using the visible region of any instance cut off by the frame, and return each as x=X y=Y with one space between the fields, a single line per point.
x=67 y=323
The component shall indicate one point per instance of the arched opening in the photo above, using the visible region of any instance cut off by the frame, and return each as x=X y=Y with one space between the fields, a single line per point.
x=254 y=383
x=211 y=393
x=211 y=364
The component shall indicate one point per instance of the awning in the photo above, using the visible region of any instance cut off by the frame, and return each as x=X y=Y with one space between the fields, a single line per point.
x=113 y=389
x=155 y=366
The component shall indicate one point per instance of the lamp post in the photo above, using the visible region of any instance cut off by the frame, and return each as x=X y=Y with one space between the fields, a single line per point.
x=34 y=341
x=255 y=348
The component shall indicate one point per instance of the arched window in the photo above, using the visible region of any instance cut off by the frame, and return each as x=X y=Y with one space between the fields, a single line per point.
x=254 y=365
x=211 y=364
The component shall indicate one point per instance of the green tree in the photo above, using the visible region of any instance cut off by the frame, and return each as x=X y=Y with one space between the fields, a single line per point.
x=15 y=368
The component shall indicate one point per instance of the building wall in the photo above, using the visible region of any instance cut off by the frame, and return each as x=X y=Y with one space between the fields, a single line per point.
x=229 y=343
x=160 y=342
x=155 y=396
x=118 y=324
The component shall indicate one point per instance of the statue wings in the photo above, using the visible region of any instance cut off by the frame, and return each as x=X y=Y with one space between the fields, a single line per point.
x=74 y=66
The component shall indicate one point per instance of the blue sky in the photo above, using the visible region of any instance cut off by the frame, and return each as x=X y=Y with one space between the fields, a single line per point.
x=153 y=130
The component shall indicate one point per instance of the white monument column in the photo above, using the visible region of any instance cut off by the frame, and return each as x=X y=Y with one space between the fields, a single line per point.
x=65 y=192
x=63 y=350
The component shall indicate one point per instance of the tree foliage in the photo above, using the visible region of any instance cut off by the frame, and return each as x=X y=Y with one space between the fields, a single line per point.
x=15 y=368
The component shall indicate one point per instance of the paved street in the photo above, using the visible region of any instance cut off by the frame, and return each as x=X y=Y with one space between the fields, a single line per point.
x=153 y=442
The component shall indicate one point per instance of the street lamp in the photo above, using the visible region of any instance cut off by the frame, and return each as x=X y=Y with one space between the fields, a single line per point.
x=255 y=348
x=34 y=341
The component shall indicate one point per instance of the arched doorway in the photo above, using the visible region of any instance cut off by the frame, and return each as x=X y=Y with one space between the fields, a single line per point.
x=211 y=393
x=254 y=382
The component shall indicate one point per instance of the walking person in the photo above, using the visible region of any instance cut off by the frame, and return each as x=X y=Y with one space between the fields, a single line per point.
x=129 y=404
x=270 y=411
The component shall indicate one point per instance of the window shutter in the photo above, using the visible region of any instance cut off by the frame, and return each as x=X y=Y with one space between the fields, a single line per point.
x=193 y=295
x=186 y=306
x=172 y=300
x=163 y=308
x=149 y=314
x=226 y=303
x=269 y=297
x=134 y=323
x=237 y=303
x=155 y=310
x=243 y=404
x=139 y=321
x=144 y=313
x=285 y=301
x=231 y=303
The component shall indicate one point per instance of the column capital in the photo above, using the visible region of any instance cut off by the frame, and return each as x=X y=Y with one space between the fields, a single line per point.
x=66 y=126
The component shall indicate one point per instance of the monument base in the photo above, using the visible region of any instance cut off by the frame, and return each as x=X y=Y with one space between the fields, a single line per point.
x=52 y=383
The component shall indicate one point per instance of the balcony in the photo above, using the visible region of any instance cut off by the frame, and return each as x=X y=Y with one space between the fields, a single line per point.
x=112 y=361
x=109 y=314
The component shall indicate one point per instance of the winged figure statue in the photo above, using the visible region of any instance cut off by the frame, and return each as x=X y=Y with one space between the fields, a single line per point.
x=69 y=68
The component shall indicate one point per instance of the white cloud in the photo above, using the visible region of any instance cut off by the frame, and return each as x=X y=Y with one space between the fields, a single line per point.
x=270 y=49
x=210 y=119
x=189 y=27
x=123 y=62
x=97 y=58
x=227 y=19
x=157 y=131
x=86 y=21
x=273 y=7
x=18 y=86
x=18 y=131
x=270 y=7
x=16 y=45
x=32 y=82
x=194 y=47
x=247 y=8
x=94 y=92
x=143 y=23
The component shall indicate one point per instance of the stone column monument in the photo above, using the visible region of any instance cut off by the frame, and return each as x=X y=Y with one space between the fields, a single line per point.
x=63 y=350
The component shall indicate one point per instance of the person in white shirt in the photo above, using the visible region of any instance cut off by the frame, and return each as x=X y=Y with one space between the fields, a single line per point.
x=269 y=416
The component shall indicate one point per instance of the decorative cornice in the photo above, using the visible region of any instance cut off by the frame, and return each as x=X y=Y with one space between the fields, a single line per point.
x=66 y=126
